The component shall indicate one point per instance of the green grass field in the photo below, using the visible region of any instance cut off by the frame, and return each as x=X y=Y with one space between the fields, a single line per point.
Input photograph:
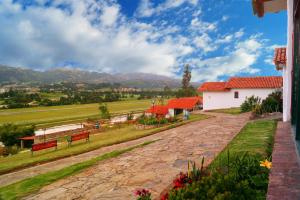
x=109 y=137
x=255 y=138
x=55 y=115
x=233 y=111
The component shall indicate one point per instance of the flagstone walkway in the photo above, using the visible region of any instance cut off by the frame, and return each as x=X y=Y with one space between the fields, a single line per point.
x=153 y=166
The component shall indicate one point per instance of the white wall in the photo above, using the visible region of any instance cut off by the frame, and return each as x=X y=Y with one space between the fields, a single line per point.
x=287 y=71
x=218 y=100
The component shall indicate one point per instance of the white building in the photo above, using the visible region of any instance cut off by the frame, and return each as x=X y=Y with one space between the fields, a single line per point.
x=218 y=95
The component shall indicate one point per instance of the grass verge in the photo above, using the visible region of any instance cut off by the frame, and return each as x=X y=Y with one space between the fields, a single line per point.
x=256 y=138
x=30 y=185
x=232 y=111
x=114 y=136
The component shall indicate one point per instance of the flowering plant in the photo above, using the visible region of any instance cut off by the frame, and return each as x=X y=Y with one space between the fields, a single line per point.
x=143 y=194
x=181 y=181
x=266 y=164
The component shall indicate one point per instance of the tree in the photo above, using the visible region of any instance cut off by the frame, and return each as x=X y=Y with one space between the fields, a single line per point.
x=104 y=113
x=10 y=134
x=187 y=75
x=187 y=90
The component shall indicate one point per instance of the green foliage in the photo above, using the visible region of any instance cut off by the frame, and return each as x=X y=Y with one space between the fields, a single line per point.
x=250 y=103
x=186 y=76
x=104 y=112
x=238 y=174
x=129 y=116
x=187 y=92
x=151 y=120
x=10 y=134
x=273 y=103
x=245 y=180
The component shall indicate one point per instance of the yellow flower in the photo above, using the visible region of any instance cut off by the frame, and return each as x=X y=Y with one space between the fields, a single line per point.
x=266 y=164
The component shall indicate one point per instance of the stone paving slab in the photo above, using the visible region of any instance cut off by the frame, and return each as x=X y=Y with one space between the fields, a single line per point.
x=153 y=166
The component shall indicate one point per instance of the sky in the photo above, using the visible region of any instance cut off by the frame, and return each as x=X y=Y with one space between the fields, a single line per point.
x=217 y=38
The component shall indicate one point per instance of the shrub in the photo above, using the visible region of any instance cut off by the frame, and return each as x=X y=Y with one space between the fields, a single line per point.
x=241 y=177
x=104 y=112
x=10 y=134
x=250 y=103
x=151 y=120
x=273 y=103
x=129 y=116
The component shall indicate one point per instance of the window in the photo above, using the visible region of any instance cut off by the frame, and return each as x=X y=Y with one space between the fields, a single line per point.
x=236 y=95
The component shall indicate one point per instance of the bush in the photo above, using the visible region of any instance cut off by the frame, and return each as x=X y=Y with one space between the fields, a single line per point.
x=11 y=150
x=152 y=120
x=129 y=116
x=240 y=178
x=104 y=112
x=273 y=103
x=250 y=103
x=10 y=134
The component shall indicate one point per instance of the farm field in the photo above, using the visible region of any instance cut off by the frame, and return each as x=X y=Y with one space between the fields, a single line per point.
x=55 y=115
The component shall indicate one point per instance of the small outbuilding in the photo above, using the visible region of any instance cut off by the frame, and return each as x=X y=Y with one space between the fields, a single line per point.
x=158 y=110
x=184 y=105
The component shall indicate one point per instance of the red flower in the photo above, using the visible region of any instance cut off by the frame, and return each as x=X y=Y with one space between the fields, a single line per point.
x=142 y=193
x=181 y=181
x=165 y=197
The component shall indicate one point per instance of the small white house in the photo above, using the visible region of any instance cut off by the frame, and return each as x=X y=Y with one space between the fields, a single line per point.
x=218 y=95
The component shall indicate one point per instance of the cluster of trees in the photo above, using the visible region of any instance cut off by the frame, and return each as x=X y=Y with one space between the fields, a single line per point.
x=10 y=134
x=18 y=99
x=83 y=98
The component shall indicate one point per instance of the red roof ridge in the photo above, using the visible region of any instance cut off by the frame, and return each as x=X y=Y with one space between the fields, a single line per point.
x=243 y=82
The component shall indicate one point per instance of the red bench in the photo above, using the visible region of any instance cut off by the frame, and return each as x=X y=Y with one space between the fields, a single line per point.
x=44 y=145
x=80 y=136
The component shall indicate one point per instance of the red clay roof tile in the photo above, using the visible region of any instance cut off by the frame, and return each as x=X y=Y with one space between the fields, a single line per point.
x=213 y=86
x=184 y=103
x=255 y=82
x=158 y=109
x=280 y=57
x=243 y=82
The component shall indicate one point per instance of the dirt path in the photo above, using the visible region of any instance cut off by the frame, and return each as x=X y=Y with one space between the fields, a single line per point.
x=153 y=166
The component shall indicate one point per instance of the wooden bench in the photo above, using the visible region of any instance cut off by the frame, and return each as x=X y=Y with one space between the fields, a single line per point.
x=44 y=145
x=80 y=136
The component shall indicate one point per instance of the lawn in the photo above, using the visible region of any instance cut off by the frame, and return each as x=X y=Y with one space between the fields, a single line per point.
x=256 y=137
x=55 y=115
x=233 y=111
x=113 y=136
x=30 y=185
x=236 y=173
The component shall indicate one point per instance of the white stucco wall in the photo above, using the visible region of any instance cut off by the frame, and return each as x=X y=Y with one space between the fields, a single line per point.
x=287 y=71
x=218 y=100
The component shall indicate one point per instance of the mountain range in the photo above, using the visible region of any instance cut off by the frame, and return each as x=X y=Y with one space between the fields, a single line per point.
x=139 y=80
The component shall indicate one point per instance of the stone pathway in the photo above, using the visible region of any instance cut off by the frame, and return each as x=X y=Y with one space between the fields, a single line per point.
x=153 y=166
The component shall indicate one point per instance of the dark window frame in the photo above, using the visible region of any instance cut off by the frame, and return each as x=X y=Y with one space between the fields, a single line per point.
x=236 y=94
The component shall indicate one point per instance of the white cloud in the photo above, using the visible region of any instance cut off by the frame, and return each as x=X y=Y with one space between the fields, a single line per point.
x=225 y=18
x=241 y=59
x=204 y=42
x=239 y=33
x=146 y=8
x=201 y=26
x=44 y=37
x=109 y=15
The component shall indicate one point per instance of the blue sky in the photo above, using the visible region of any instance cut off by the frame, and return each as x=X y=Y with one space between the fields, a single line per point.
x=217 y=38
